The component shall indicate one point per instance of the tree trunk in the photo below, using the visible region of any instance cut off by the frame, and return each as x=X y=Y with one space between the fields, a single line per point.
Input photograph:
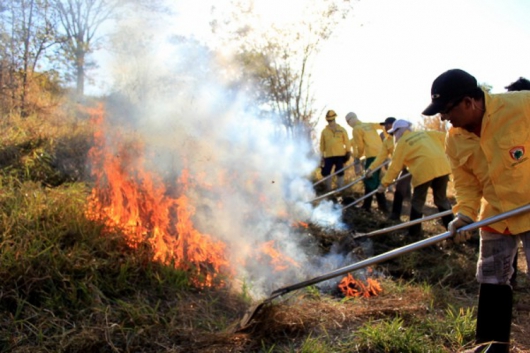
x=80 y=74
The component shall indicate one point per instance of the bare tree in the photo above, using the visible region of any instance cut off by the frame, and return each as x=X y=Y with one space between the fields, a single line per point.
x=277 y=60
x=81 y=20
x=28 y=31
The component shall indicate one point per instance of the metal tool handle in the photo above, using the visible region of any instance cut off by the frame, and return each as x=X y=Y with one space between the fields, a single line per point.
x=404 y=225
x=374 y=192
x=346 y=186
x=335 y=173
x=400 y=251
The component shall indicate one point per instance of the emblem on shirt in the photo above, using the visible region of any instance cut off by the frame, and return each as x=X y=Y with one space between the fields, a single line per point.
x=517 y=152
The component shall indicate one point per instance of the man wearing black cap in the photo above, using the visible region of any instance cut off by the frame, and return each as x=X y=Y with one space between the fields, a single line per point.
x=487 y=147
x=403 y=189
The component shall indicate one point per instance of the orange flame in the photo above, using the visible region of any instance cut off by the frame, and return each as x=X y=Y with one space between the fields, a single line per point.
x=130 y=198
x=301 y=224
x=351 y=287
x=279 y=261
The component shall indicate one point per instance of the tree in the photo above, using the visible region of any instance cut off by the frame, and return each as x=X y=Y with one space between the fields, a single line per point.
x=27 y=32
x=277 y=59
x=433 y=123
x=80 y=20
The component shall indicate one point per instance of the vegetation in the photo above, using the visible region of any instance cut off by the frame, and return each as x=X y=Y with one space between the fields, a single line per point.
x=69 y=286
x=69 y=283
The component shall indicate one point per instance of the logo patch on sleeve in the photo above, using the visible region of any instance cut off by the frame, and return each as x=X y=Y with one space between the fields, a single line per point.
x=517 y=152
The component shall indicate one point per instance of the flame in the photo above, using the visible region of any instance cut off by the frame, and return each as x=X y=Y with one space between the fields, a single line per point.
x=128 y=197
x=300 y=224
x=279 y=261
x=351 y=287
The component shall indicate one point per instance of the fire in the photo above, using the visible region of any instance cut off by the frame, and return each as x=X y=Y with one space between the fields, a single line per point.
x=352 y=287
x=128 y=197
x=279 y=261
x=301 y=224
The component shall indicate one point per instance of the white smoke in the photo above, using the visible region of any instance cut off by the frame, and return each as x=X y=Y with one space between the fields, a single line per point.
x=250 y=180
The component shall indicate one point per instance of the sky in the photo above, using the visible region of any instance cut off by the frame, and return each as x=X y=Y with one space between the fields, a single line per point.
x=382 y=61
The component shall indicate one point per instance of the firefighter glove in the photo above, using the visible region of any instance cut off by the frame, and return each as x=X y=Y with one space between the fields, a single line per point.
x=457 y=223
x=381 y=189
x=368 y=173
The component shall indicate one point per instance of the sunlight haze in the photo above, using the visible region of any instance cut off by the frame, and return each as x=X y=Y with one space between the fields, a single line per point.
x=382 y=61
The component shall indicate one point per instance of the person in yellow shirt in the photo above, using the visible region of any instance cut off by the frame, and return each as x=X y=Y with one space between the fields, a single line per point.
x=487 y=147
x=335 y=149
x=522 y=84
x=367 y=143
x=403 y=190
x=422 y=152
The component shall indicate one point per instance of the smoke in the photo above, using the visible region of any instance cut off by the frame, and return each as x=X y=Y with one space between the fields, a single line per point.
x=250 y=180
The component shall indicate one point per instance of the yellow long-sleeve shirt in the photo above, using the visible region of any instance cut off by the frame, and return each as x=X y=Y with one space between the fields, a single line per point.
x=422 y=152
x=386 y=151
x=367 y=140
x=491 y=173
x=334 y=142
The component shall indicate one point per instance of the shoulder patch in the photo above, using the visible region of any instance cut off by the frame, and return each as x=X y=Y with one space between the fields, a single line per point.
x=517 y=152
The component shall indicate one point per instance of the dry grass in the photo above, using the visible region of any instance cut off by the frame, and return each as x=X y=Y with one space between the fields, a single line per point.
x=67 y=287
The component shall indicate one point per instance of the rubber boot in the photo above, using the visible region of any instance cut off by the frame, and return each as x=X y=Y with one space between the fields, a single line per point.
x=381 y=202
x=367 y=204
x=327 y=184
x=340 y=181
x=415 y=231
x=397 y=206
x=494 y=317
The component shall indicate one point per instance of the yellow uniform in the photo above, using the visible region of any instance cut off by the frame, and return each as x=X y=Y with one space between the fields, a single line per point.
x=367 y=140
x=422 y=152
x=494 y=170
x=334 y=142
x=386 y=150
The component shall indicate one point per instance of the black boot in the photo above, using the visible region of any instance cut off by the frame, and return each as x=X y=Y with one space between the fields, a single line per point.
x=415 y=230
x=494 y=317
x=381 y=202
x=397 y=206
x=367 y=204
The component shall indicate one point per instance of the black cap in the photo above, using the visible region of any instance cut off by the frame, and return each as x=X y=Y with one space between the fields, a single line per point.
x=522 y=84
x=389 y=120
x=450 y=85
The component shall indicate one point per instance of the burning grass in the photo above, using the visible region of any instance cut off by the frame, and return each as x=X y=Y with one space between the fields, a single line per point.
x=66 y=288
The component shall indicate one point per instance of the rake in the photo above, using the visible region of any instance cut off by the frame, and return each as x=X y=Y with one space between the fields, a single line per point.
x=253 y=311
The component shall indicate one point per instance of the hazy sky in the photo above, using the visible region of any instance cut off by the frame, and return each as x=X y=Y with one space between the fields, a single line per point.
x=382 y=62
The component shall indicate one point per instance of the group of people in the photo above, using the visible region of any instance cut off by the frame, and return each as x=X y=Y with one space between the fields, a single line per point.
x=420 y=154
x=485 y=152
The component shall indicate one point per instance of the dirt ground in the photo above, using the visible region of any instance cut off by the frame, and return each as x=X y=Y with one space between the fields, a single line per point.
x=521 y=311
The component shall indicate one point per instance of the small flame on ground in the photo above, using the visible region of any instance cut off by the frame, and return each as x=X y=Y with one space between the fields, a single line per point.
x=351 y=287
x=277 y=259
x=301 y=225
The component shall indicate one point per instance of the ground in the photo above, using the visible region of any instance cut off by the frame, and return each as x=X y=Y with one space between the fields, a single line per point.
x=296 y=315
